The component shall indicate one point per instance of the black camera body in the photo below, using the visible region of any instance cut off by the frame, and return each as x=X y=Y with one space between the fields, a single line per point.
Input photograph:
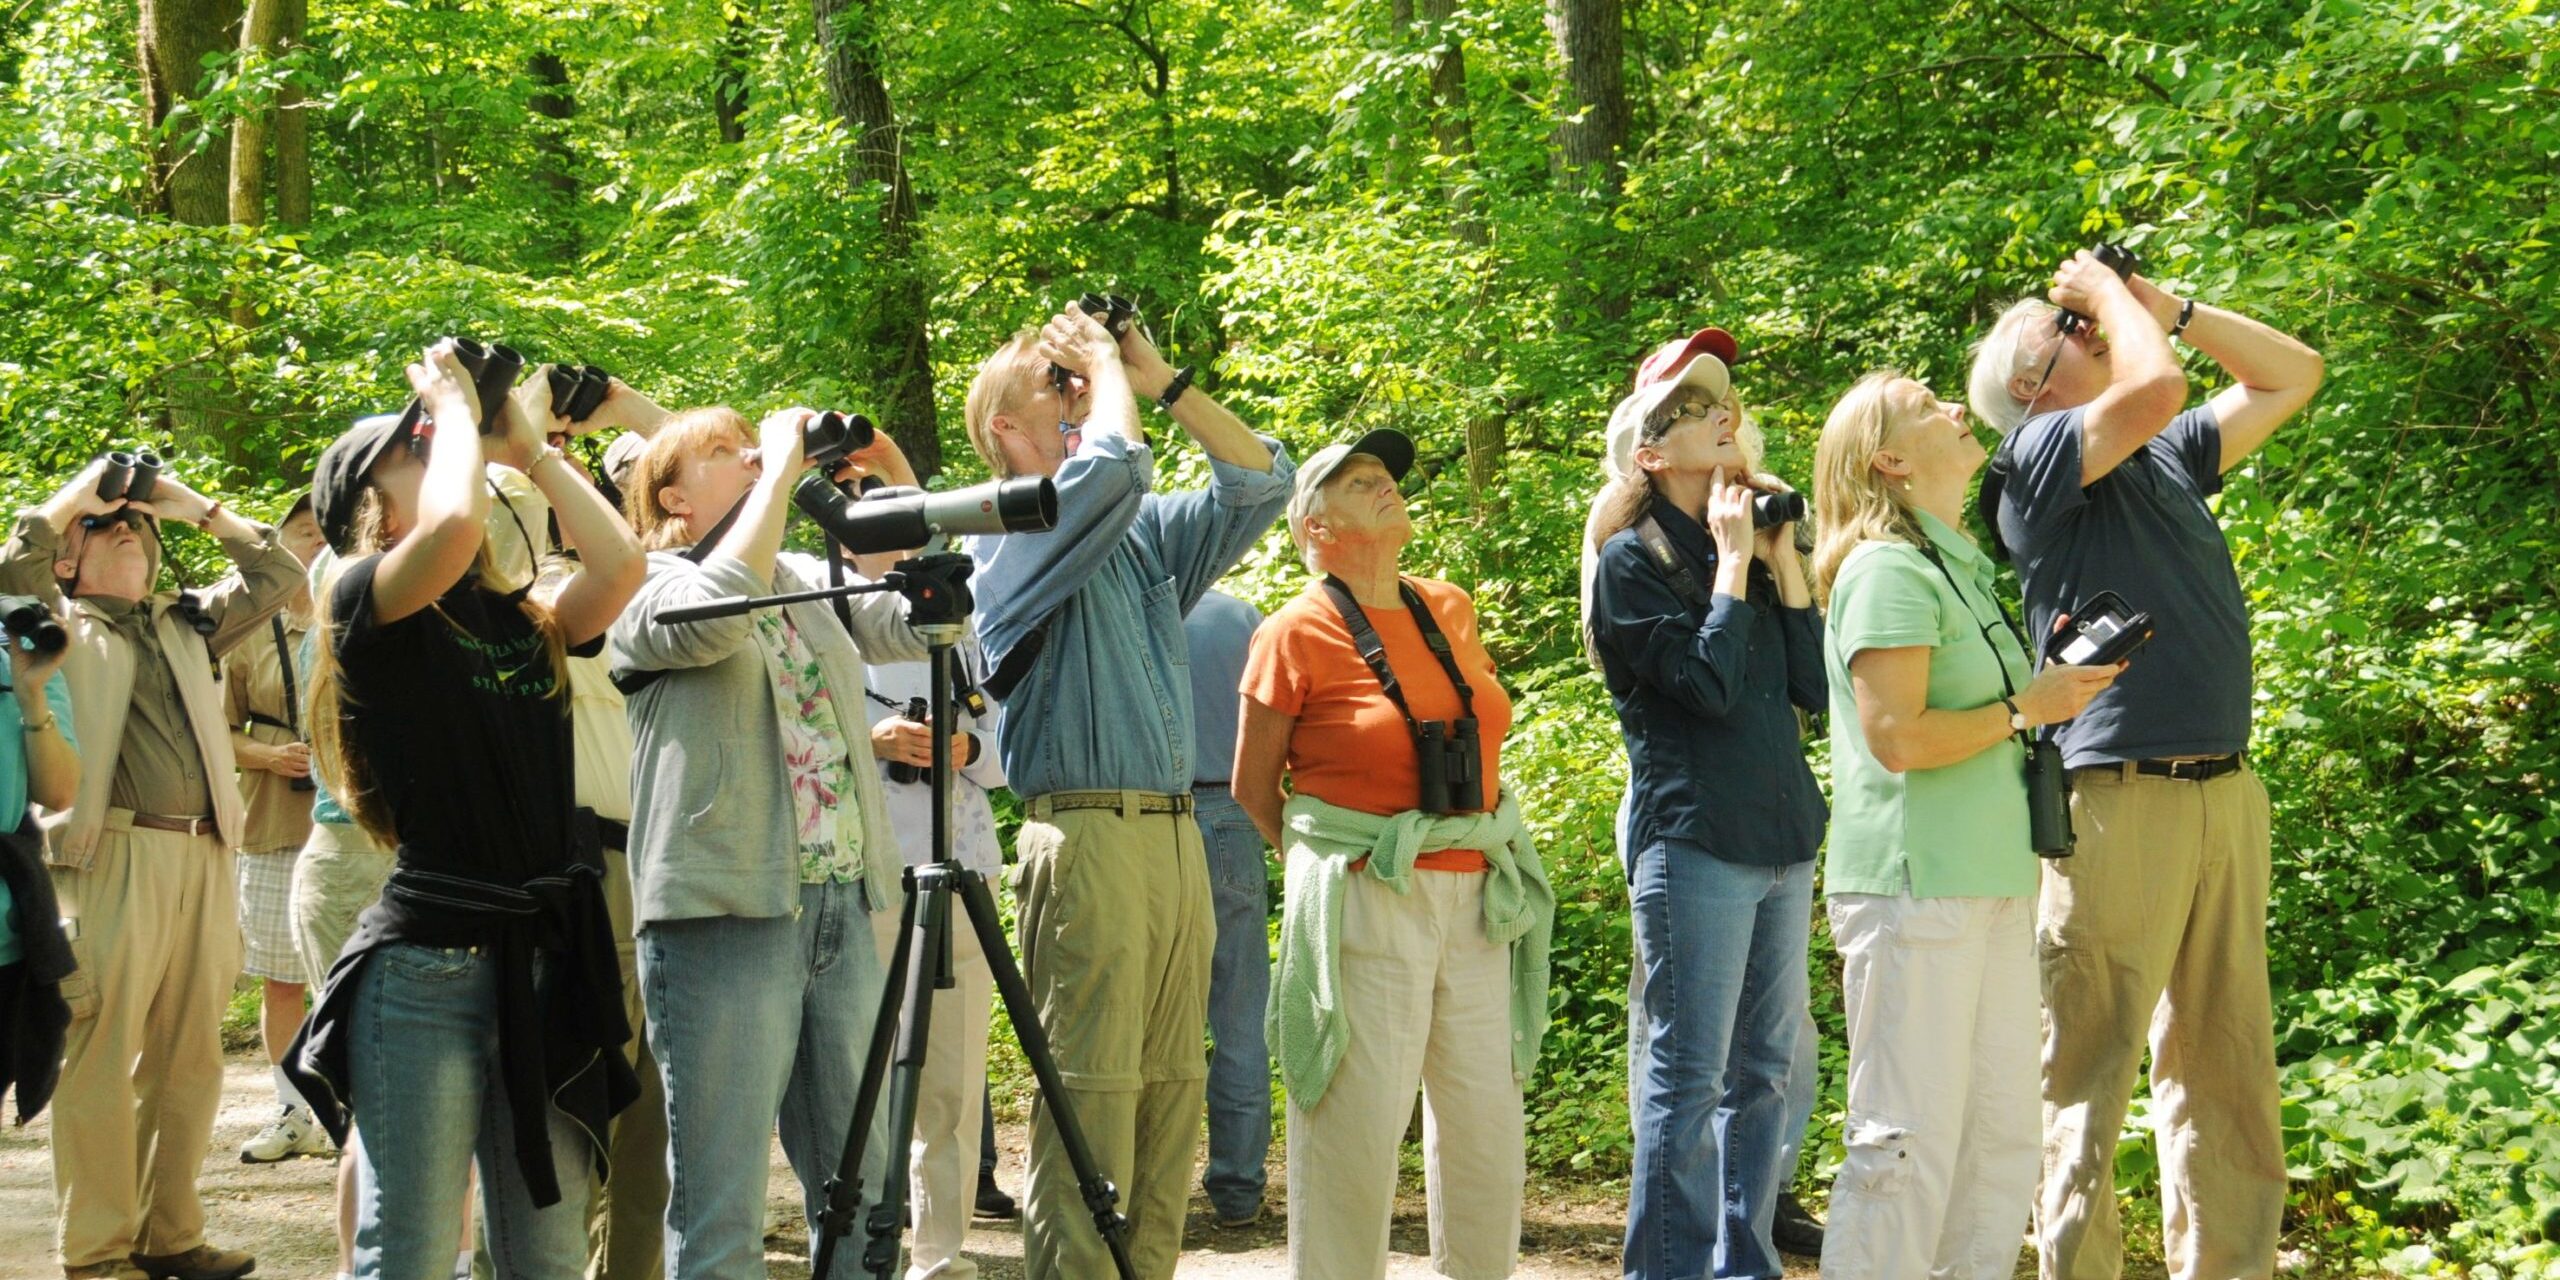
x=830 y=436
x=28 y=622
x=1452 y=767
x=578 y=390
x=2114 y=257
x=1769 y=510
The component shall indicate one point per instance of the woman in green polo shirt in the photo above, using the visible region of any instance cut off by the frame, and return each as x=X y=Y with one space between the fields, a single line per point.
x=1930 y=878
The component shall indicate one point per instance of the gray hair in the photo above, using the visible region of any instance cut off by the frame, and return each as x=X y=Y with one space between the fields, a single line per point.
x=2000 y=357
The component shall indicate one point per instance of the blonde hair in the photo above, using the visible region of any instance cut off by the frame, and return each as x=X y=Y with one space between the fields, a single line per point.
x=1622 y=499
x=1997 y=361
x=998 y=388
x=1852 y=501
x=349 y=774
x=677 y=441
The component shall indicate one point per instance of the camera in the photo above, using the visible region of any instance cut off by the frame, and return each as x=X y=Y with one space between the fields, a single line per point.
x=28 y=622
x=1116 y=314
x=830 y=436
x=2114 y=257
x=1769 y=510
x=900 y=772
x=578 y=390
x=1452 y=767
x=897 y=518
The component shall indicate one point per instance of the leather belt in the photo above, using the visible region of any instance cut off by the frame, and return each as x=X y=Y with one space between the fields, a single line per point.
x=2205 y=770
x=183 y=826
x=1128 y=802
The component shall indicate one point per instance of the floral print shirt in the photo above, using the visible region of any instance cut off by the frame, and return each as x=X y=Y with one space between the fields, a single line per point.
x=815 y=751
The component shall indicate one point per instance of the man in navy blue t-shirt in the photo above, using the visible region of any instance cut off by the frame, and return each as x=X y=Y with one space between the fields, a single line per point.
x=2156 y=927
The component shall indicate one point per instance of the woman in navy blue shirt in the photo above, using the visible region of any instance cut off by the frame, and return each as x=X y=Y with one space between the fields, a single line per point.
x=1705 y=633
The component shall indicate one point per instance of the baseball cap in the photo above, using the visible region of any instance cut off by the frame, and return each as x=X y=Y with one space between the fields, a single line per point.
x=1702 y=361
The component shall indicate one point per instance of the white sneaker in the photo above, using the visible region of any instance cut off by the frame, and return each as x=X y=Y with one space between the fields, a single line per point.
x=294 y=1132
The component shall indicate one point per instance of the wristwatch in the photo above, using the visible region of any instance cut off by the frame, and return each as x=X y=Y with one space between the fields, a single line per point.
x=2017 y=718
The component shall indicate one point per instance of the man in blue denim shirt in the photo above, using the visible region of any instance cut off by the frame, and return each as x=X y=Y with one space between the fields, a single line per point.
x=1113 y=891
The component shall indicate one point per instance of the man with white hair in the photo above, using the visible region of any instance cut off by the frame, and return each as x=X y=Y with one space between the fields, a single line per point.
x=2157 y=925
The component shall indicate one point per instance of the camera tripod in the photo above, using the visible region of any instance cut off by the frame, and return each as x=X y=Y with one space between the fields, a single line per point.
x=936 y=588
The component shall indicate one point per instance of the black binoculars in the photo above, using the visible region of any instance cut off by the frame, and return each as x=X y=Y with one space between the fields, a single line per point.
x=830 y=437
x=27 y=621
x=2114 y=257
x=1769 y=510
x=1452 y=767
x=1116 y=314
x=578 y=390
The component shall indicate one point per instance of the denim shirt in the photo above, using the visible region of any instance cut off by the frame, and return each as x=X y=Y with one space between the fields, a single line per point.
x=1108 y=704
x=1704 y=697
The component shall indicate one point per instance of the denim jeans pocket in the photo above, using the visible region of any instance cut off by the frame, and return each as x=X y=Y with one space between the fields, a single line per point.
x=415 y=963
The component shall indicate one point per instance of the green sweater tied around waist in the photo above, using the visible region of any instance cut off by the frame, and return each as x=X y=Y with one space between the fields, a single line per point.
x=1305 y=1021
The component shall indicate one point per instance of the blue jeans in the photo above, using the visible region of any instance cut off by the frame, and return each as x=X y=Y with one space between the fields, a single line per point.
x=424 y=1056
x=1239 y=988
x=750 y=1020
x=1722 y=947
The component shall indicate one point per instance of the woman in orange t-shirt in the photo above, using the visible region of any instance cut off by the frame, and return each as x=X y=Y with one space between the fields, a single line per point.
x=1425 y=994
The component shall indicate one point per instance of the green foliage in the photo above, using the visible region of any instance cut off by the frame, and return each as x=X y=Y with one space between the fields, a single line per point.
x=1843 y=185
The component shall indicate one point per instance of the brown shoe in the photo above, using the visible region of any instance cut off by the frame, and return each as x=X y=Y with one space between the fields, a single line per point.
x=104 y=1271
x=204 y=1262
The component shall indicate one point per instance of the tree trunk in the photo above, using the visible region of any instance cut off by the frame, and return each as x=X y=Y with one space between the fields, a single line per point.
x=554 y=165
x=1591 y=133
x=189 y=183
x=729 y=80
x=293 y=128
x=899 y=351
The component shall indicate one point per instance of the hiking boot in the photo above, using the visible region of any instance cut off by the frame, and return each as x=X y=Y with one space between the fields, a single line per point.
x=113 y=1270
x=204 y=1262
x=993 y=1202
x=1797 y=1233
x=294 y=1132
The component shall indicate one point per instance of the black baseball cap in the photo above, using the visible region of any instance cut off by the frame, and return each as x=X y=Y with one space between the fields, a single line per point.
x=338 y=482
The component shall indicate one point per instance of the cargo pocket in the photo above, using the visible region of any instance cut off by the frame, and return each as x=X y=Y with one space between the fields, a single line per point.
x=1879 y=1161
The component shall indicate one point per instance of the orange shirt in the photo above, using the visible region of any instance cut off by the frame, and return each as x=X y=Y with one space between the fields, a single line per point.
x=1350 y=747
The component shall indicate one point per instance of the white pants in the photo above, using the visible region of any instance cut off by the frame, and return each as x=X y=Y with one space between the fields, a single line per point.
x=1428 y=1000
x=1943 y=1103
x=942 y=1167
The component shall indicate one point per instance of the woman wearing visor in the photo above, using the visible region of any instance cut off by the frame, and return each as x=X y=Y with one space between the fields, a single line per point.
x=1415 y=922
x=1704 y=630
x=760 y=841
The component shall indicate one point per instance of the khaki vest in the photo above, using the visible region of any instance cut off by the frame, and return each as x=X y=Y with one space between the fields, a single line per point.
x=99 y=670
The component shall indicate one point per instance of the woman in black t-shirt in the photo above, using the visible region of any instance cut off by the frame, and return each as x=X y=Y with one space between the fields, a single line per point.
x=477 y=1011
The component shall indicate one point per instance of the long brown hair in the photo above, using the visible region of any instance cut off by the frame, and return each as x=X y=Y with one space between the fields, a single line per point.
x=349 y=774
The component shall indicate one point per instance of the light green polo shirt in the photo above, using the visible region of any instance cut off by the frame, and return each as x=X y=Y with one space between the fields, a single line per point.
x=1960 y=830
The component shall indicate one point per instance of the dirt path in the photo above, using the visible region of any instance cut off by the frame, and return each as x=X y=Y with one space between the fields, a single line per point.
x=283 y=1213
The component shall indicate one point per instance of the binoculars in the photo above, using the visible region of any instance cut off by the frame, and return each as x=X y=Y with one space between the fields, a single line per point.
x=2114 y=257
x=1116 y=314
x=827 y=438
x=27 y=621
x=1769 y=510
x=578 y=390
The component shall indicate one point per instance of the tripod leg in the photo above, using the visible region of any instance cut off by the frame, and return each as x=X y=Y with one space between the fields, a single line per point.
x=844 y=1190
x=927 y=966
x=1100 y=1197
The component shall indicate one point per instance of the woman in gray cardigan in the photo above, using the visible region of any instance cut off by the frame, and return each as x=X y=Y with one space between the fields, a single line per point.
x=760 y=845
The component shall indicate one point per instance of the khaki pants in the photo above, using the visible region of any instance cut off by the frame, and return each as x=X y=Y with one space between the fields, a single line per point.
x=942 y=1163
x=1428 y=1001
x=1941 y=1168
x=2157 y=927
x=1116 y=932
x=339 y=874
x=158 y=947
x=626 y=1215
